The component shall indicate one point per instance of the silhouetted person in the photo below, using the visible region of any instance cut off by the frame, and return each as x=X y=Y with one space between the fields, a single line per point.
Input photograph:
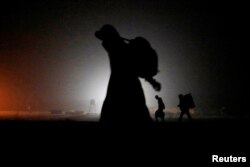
x=184 y=106
x=92 y=106
x=124 y=88
x=159 y=112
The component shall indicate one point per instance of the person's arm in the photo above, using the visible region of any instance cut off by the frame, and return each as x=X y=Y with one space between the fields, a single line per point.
x=156 y=85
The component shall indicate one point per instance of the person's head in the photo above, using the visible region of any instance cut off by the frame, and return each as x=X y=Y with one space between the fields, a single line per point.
x=180 y=96
x=107 y=33
x=156 y=96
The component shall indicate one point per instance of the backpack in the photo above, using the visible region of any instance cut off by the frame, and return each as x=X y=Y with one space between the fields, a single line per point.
x=145 y=60
x=190 y=101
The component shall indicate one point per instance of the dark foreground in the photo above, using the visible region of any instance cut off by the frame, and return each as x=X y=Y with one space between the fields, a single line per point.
x=158 y=144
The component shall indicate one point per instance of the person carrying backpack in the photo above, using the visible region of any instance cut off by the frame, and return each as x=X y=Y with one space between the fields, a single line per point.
x=186 y=103
x=125 y=102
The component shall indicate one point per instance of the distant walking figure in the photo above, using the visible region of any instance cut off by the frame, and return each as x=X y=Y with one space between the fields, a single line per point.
x=159 y=112
x=125 y=101
x=92 y=106
x=186 y=102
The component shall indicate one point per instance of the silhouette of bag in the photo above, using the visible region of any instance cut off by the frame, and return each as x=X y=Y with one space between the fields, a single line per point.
x=145 y=57
x=190 y=101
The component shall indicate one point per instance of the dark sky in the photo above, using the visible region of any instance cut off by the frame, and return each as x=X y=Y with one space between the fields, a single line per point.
x=50 y=59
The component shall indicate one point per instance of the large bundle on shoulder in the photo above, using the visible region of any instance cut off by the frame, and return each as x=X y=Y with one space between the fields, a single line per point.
x=190 y=101
x=145 y=60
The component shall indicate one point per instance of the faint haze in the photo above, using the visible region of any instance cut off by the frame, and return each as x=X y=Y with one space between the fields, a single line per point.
x=50 y=58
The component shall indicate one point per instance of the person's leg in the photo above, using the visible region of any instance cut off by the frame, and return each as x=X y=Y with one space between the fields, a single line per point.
x=189 y=116
x=163 y=116
x=181 y=115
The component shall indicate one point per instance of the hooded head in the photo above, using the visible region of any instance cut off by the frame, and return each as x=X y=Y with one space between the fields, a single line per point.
x=107 y=33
